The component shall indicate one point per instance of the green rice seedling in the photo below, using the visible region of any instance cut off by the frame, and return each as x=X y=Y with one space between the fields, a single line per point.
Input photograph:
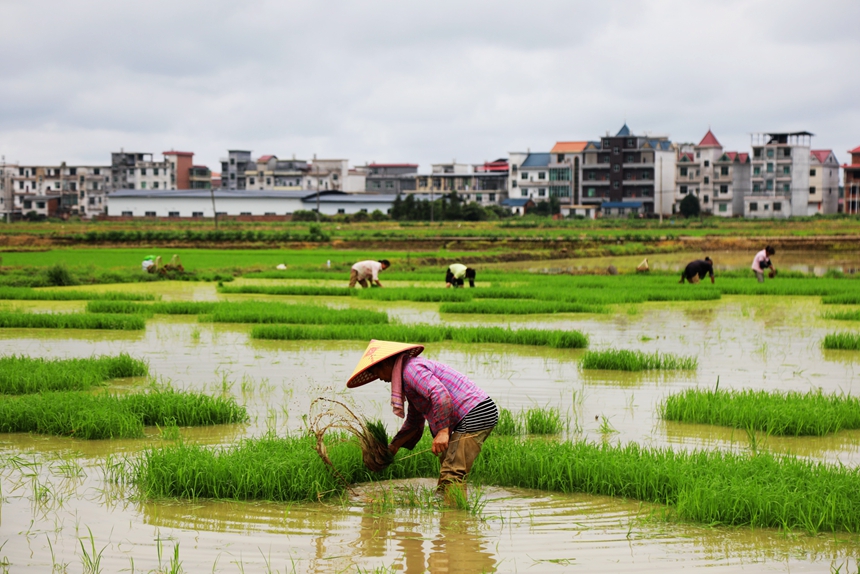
x=309 y=290
x=852 y=315
x=844 y=340
x=508 y=425
x=22 y=375
x=90 y=558
x=424 y=334
x=415 y=294
x=148 y=309
x=543 y=421
x=842 y=299
x=86 y=416
x=709 y=487
x=777 y=413
x=26 y=293
x=624 y=360
x=259 y=312
x=13 y=320
x=515 y=307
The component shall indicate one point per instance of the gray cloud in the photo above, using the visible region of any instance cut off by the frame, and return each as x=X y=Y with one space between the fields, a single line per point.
x=401 y=81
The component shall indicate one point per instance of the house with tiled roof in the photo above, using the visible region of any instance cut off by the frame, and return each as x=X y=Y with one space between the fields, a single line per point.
x=717 y=178
x=823 y=182
x=851 y=183
x=630 y=169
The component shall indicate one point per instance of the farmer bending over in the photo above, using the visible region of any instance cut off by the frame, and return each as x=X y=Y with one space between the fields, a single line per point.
x=364 y=270
x=762 y=261
x=456 y=273
x=696 y=270
x=460 y=414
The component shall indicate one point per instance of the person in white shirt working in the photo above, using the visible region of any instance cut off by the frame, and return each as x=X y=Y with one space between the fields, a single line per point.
x=456 y=275
x=363 y=271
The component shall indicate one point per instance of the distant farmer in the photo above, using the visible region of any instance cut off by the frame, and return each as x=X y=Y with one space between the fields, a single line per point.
x=456 y=275
x=696 y=270
x=762 y=261
x=367 y=270
x=461 y=415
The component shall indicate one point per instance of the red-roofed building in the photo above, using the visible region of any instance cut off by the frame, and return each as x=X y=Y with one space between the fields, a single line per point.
x=719 y=179
x=823 y=182
x=565 y=172
x=851 y=183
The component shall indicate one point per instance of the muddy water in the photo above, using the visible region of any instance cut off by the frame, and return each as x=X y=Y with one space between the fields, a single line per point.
x=55 y=492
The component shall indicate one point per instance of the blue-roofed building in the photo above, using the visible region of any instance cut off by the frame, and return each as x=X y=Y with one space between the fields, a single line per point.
x=629 y=168
x=530 y=176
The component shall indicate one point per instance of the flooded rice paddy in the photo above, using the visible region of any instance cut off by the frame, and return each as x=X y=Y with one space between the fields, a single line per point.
x=61 y=510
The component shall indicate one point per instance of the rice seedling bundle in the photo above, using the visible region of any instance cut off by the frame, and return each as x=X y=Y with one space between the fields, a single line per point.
x=288 y=290
x=424 y=334
x=26 y=293
x=712 y=487
x=852 y=315
x=843 y=340
x=624 y=360
x=87 y=416
x=774 y=412
x=261 y=312
x=12 y=320
x=517 y=307
x=23 y=375
x=148 y=309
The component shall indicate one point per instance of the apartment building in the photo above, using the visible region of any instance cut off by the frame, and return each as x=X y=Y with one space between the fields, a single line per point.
x=233 y=169
x=823 y=182
x=390 y=177
x=271 y=172
x=565 y=165
x=718 y=178
x=484 y=183
x=780 y=175
x=80 y=190
x=629 y=173
x=851 y=183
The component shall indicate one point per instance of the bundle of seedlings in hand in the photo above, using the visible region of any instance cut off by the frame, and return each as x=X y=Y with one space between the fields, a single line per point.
x=371 y=435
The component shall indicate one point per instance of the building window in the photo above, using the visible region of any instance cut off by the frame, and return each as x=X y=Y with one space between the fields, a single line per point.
x=172 y=214
x=591 y=192
x=541 y=175
x=493 y=197
x=811 y=173
x=629 y=143
x=142 y=185
x=707 y=163
x=590 y=176
x=770 y=152
x=155 y=171
x=248 y=213
x=514 y=183
x=614 y=185
x=811 y=190
x=786 y=170
x=149 y=214
x=542 y=192
x=756 y=187
x=683 y=190
x=126 y=214
x=683 y=171
x=705 y=200
x=143 y=171
x=786 y=187
x=723 y=207
x=777 y=206
x=707 y=179
x=724 y=189
x=724 y=170
x=769 y=185
x=757 y=152
x=268 y=181
x=389 y=185
x=524 y=193
x=606 y=143
x=154 y=185
x=523 y=176
x=786 y=152
x=766 y=206
x=251 y=181
x=560 y=158
x=616 y=150
x=196 y=214
x=341 y=211
x=757 y=170
x=753 y=206
x=770 y=168
x=616 y=168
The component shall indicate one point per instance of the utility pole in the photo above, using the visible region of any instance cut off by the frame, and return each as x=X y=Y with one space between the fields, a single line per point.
x=661 y=190
x=316 y=179
x=214 y=211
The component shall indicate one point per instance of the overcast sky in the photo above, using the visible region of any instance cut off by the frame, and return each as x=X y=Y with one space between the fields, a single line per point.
x=423 y=82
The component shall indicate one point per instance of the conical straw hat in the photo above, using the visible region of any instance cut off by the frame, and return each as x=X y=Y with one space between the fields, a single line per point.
x=376 y=352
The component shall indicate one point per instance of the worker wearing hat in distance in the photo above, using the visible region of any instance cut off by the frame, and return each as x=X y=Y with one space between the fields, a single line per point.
x=460 y=414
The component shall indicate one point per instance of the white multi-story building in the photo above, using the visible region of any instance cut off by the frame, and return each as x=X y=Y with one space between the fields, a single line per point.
x=80 y=189
x=483 y=183
x=823 y=182
x=780 y=175
x=719 y=179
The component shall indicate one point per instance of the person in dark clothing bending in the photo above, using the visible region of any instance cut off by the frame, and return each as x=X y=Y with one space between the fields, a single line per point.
x=697 y=269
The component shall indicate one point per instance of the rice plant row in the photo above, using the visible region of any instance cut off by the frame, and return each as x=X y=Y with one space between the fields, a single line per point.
x=103 y=416
x=12 y=320
x=533 y=421
x=625 y=360
x=851 y=315
x=774 y=412
x=23 y=375
x=711 y=487
x=245 y=312
x=843 y=340
x=424 y=334
x=842 y=299
x=518 y=307
x=310 y=290
x=26 y=293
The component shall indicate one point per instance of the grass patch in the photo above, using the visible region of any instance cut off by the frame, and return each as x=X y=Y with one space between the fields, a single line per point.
x=778 y=413
x=842 y=299
x=852 y=315
x=624 y=360
x=844 y=340
x=11 y=320
x=711 y=487
x=423 y=295
x=309 y=290
x=149 y=309
x=516 y=307
x=28 y=294
x=424 y=334
x=543 y=421
x=86 y=416
x=23 y=375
